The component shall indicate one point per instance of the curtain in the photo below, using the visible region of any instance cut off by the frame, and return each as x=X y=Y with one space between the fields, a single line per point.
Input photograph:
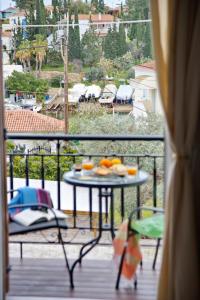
x=176 y=37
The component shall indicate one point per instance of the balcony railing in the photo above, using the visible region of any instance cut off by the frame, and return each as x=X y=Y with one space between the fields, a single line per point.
x=63 y=160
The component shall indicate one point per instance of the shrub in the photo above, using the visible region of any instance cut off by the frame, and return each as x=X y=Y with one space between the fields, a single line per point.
x=95 y=73
x=54 y=58
x=55 y=81
x=131 y=73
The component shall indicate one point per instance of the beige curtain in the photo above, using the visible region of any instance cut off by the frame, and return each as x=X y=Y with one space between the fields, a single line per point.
x=176 y=35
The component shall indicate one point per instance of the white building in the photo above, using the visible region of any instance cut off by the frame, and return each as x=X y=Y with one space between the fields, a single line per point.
x=146 y=87
x=99 y=19
x=19 y=16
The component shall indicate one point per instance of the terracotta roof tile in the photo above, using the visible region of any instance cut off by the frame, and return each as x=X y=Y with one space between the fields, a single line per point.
x=96 y=18
x=149 y=65
x=28 y=121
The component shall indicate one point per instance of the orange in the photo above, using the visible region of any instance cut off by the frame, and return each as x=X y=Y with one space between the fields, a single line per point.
x=116 y=161
x=132 y=171
x=105 y=162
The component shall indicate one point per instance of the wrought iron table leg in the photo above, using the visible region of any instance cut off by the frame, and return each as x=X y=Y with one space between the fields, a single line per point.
x=94 y=242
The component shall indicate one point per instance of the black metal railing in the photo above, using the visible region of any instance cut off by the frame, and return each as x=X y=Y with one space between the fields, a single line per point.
x=153 y=163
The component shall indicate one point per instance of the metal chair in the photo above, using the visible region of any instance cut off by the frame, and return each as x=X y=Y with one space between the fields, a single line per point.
x=16 y=228
x=150 y=227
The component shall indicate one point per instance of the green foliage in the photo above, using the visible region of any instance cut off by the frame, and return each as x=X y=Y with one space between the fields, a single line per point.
x=131 y=73
x=95 y=73
x=10 y=146
x=124 y=62
x=137 y=10
x=40 y=17
x=55 y=82
x=122 y=44
x=50 y=165
x=79 y=6
x=91 y=47
x=74 y=49
x=115 y=44
x=101 y=7
x=27 y=82
x=54 y=58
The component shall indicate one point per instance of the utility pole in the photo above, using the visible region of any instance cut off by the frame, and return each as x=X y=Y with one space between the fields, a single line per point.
x=64 y=53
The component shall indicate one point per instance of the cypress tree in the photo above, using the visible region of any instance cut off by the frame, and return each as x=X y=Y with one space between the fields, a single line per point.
x=147 y=41
x=31 y=20
x=107 y=45
x=70 y=40
x=77 y=42
x=55 y=17
x=101 y=7
x=122 y=45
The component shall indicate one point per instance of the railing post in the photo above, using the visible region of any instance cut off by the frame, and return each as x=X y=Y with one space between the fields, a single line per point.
x=138 y=192
x=42 y=171
x=11 y=174
x=154 y=182
x=58 y=171
x=26 y=170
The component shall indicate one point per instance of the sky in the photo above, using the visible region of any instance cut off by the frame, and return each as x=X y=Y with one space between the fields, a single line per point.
x=6 y=3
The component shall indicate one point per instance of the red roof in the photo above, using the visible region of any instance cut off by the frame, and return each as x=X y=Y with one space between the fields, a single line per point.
x=29 y=121
x=149 y=65
x=95 y=18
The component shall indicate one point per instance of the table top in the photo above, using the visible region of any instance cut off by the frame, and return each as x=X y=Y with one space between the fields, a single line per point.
x=111 y=181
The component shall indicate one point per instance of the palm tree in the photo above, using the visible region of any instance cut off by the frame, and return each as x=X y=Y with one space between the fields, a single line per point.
x=24 y=53
x=40 y=49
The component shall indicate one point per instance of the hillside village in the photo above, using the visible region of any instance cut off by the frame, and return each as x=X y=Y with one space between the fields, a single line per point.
x=109 y=62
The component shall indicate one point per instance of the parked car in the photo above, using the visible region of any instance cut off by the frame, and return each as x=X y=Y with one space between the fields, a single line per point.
x=125 y=94
x=108 y=94
x=77 y=93
x=93 y=92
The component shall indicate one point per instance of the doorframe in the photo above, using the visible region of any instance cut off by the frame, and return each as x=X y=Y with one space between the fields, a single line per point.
x=3 y=194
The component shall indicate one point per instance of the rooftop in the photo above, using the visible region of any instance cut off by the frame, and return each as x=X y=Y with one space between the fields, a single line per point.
x=95 y=18
x=149 y=65
x=28 y=121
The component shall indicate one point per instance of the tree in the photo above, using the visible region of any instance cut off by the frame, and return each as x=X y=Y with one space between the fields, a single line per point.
x=91 y=47
x=95 y=73
x=27 y=84
x=24 y=54
x=77 y=42
x=139 y=9
x=115 y=42
x=40 y=17
x=55 y=16
x=101 y=7
x=70 y=40
x=40 y=46
x=30 y=18
x=122 y=45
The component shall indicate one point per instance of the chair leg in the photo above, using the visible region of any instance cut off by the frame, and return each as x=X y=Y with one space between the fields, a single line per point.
x=156 y=254
x=135 y=282
x=66 y=259
x=120 y=269
x=21 y=250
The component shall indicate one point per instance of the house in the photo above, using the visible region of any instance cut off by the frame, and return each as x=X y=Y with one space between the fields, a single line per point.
x=19 y=16
x=100 y=21
x=28 y=121
x=146 y=88
x=101 y=26
x=6 y=13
